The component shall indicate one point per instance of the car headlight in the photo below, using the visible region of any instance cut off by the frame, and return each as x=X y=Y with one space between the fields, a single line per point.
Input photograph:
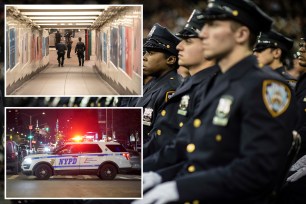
x=27 y=160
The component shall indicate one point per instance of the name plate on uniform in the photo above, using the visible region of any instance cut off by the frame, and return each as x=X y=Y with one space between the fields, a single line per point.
x=147 y=116
x=183 y=105
x=223 y=110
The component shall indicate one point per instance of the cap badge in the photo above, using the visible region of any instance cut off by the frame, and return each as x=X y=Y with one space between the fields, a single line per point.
x=151 y=32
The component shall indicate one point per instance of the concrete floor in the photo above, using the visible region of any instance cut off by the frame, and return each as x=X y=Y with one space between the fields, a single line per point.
x=70 y=80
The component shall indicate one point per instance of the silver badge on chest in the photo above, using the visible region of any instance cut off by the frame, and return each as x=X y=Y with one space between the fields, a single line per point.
x=183 y=105
x=147 y=116
x=223 y=110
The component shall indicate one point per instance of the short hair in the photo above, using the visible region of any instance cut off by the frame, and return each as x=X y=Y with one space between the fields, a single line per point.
x=80 y=38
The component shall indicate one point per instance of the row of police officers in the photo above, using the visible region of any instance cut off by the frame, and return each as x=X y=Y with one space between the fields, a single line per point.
x=222 y=135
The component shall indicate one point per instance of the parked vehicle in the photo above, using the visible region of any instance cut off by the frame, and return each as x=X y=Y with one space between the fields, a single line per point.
x=12 y=157
x=104 y=159
x=135 y=160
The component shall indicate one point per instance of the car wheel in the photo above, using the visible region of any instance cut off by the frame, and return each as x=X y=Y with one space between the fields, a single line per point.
x=108 y=172
x=43 y=172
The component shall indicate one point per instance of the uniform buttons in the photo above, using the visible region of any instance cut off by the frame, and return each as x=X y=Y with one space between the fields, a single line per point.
x=158 y=132
x=197 y=123
x=181 y=124
x=187 y=203
x=191 y=168
x=196 y=202
x=171 y=78
x=218 y=138
x=305 y=109
x=163 y=113
x=190 y=148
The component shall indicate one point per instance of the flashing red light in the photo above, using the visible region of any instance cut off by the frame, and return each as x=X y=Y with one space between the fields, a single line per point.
x=77 y=138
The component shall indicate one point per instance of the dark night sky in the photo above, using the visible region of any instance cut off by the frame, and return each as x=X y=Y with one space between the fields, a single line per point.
x=81 y=120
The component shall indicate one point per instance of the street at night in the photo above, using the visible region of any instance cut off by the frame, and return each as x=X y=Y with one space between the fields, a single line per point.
x=82 y=186
x=73 y=153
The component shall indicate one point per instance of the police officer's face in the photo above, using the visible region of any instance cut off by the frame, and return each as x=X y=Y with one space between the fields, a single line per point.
x=302 y=56
x=154 y=63
x=217 y=38
x=190 y=52
x=264 y=57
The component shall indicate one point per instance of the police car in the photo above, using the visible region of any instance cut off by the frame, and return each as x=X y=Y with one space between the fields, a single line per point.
x=104 y=159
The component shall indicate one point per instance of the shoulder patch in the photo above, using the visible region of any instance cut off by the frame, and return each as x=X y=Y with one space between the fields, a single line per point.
x=169 y=94
x=276 y=97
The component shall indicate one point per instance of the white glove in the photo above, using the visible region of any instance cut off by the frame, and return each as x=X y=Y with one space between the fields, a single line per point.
x=299 y=164
x=150 y=179
x=163 y=193
x=297 y=175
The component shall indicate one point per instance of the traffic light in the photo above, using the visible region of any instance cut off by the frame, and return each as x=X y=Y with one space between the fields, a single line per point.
x=47 y=129
x=30 y=137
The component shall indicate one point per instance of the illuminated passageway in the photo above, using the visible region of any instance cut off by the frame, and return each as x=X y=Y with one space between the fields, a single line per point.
x=112 y=38
x=68 y=80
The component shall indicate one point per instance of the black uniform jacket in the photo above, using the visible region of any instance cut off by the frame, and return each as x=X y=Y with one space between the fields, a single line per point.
x=175 y=113
x=61 y=47
x=238 y=138
x=156 y=93
x=300 y=92
x=290 y=79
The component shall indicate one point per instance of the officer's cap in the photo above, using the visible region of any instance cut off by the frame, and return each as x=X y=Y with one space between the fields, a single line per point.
x=272 y=39
x=243 y=11
x=161 y=39
x=193 y=25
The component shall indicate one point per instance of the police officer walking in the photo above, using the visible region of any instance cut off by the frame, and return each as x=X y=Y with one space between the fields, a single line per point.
x=159 y=62
x=180 y=107
x=80 y=49
x=271 y=49
x=61 y=47
x=241 y=133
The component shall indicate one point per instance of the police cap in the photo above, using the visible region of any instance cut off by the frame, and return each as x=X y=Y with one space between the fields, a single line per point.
x=193 y=25
x=243 y=11
x=272 y=39
x=161 y=39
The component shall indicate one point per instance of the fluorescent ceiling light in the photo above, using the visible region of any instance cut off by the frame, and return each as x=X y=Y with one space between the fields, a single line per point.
x=63 y=17
x=67 y=13
x=63 y=21
x=61 y=7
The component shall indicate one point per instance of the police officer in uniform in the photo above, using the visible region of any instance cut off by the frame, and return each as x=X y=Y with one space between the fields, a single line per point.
x=271 y=49
x=61 y=47
x=179 y=108
x=80 y=49
x=295 y=190
x=160 y=62
x=241 y=133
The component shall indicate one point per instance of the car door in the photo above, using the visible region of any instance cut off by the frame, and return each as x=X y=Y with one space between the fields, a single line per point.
x=67 y=160
x=89 y=159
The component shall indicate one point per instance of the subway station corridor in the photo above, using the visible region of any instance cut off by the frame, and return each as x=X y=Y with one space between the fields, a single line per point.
x=112 y=40
x=71 y=79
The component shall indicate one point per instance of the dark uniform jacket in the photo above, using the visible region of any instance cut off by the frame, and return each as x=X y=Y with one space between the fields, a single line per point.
x=175 y=113
x=156 y=93
x=80 y=47
x=290 y=79
x=300 y=93
x=239 y=138
x=281 y=71
x=61 y=47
